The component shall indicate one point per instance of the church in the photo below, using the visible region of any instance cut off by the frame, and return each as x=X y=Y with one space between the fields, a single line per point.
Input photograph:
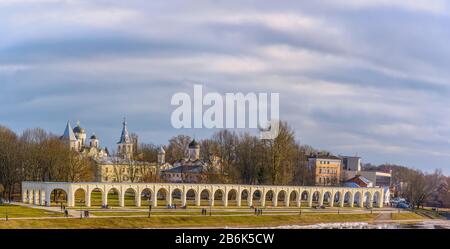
x=119 y=167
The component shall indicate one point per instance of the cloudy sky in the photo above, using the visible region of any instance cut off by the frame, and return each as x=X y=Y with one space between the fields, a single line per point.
x=355 y=77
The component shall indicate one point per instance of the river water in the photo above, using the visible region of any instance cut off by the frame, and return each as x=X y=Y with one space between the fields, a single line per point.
x=434 y=224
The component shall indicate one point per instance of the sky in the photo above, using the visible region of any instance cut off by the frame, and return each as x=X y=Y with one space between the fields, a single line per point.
x=357 y=77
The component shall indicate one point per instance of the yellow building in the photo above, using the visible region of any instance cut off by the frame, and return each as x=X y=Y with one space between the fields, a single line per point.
x=114 y=169
x=326 y=169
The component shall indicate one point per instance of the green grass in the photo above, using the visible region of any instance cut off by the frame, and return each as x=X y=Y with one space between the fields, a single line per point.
x=20 y=212
x=406 y=216
x=190 y=221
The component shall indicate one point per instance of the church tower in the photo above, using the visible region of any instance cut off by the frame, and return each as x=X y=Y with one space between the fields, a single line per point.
x=161 y=156
x=194 y=150
x=80 y=134
x=94 y=143
x=69 y=137
x=125 y=145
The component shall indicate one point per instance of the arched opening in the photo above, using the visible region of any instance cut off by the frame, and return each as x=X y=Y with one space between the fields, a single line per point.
x=80 y=197
x=130 y=197
x=232 y=197
x=146 y=197
x=327 y=199
x=96 y=197
x=315 y=198
x=205 y=197
x=162 y=196
x=58 y=197
x=347 y=198
x=337 y=198
x=219 y=197
x=269 y=198
x=376 y=199
x=256 y=198
x=304 y=198
x=191 y=197
x=367 y=196
x=113 y=198
x=244 y=198
x=281 y=198
x=293 y=197
x=357 y=199
x=176 y=197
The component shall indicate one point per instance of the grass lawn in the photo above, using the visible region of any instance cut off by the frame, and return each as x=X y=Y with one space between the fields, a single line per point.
x=406 y=216
x=20 y=212
x=191 y=221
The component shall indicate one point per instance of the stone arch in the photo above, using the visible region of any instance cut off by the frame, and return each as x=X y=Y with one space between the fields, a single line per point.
x=304 y=196
x=293 y=198
x=146 y=197
x=219 y=197
x=327 y=198
x=357 y=198
x=257 y=197
x=130 y=196
x=162 y=197
x=282 y=198
x=205 y=197
x=367 y=199
x=58 y=196
x=80 y=197
x=270 y=197
x=347 y=199
x=245 y=195
x=113 y=197
x=377 y=198
x=315 y=197
x=232 y=197
x=177 y=197
x=337 y=198
x=191 y=197
x=96 y=196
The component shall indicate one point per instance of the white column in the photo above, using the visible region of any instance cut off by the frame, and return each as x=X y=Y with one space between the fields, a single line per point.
x=275 y=199
x=263 y=199
x=70 y=198
x=331 y=200
x=169 y=198
x=137 y=199
x=287 y=199
x=87 y=197
x=198 y=198
x=155 y=198
x=371 y=201
x=121 y=198
x=299 y=200
x=310 y=198
x=48 y=194
x=36 y=197
x=250 y=198
x=321 y=195
x=183 y=198
x=24 y=196
x=104 y=197
x=352 y=199
x=225 y=199
x=238 y=198
x=342 y=199
x=42 y=198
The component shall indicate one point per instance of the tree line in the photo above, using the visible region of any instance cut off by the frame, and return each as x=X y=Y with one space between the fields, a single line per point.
x=36 y=155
